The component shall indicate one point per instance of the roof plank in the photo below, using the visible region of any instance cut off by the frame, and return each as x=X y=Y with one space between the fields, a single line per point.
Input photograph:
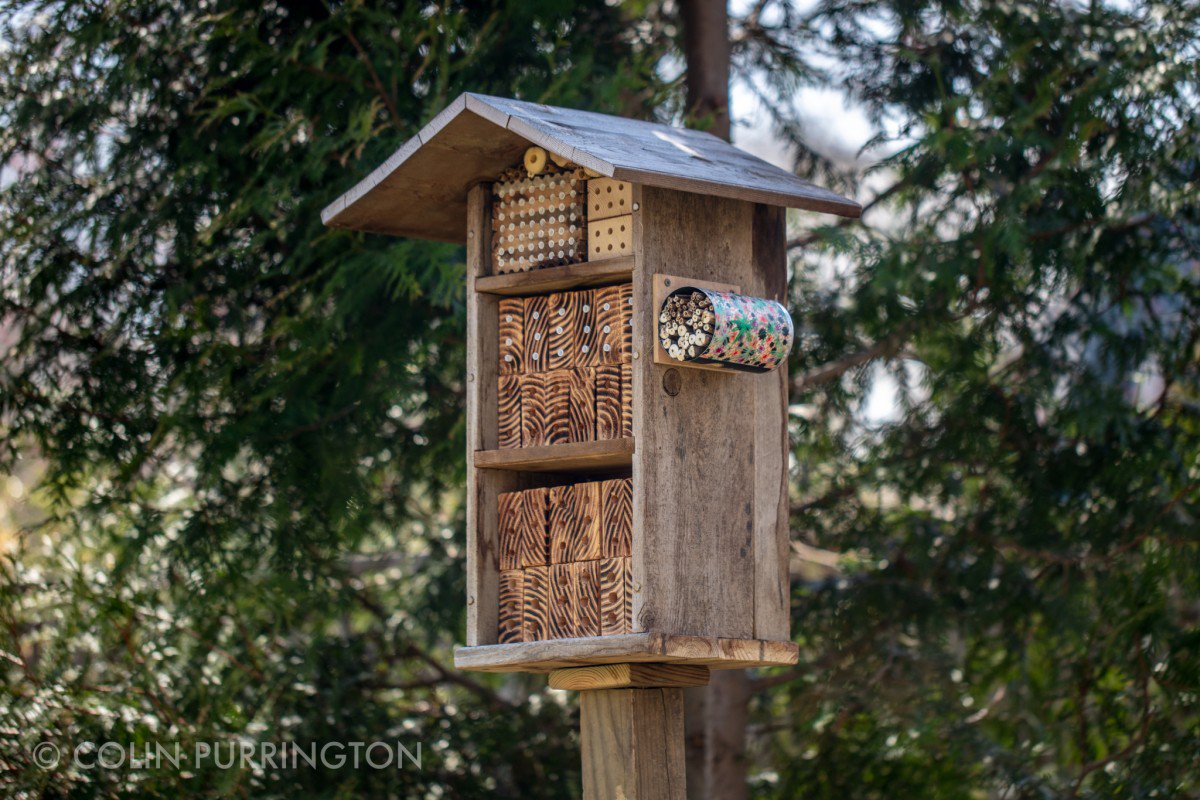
x=421 y=190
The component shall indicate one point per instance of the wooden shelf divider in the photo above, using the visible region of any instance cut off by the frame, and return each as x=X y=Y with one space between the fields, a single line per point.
x=555 y=279
x=577 y=456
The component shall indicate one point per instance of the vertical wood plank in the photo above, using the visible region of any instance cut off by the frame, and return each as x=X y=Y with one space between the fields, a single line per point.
x=564 y=314
x=534 y=548
x=564 y=601
x=558 y=406
x=586 y=342
x=613 y=619
x=534 y=409
x=560 y=513
x=512 y=588
x=625 y=293
x=608 y=324
x=512 y=336
x=608 y=401
x=626 y=401
x=537 y=330
x=508 y=411
x=616 y=518
x=587 y=597
x=509 y=509
x=632 y=744
x=581 y=409
x=585 y=522
x=535 y=615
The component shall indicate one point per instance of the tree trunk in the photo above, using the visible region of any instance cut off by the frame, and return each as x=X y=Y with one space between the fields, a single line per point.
x=706 y=49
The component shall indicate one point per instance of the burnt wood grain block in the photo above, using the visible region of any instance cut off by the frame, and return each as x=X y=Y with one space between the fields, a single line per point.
x=537 y=330
x=626 y=401
x=587 y=348
x=608 y=401
x=534 y=408
x=565 y=311
x=574 y=523
x=535 y=605
x=512 y=336
x=509 y=527
x=510 y=617
x=627 y=568
x=587 y=598
x=534 y=549
x=558 y=406
x=608 y=325
x=625 y=291
x=564 y=601
x=581 y=408
x=616 y=518
x=508 y=411
x=613 y=616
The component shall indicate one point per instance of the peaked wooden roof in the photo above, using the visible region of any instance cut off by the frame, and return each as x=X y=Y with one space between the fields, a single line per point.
x=421 y=191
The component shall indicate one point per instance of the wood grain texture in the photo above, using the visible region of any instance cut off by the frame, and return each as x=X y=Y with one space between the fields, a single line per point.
x=627 y=382
x=537 y=332
x=608 y=401
x=608 y=198
x=625 y=292
x=512 y=336
x=509 y=509
x=610 y=238
x=643 y=647
x=564 y=601
x=565 y=311
x=587 y=598
x=535 y=617
x=558 y=407
x=508 y=411
x=628 y=676
x=534 y=404
x=614 y=617
x=534 y=547
x=608 y=324
x=420 y=190
x=581 y=408
x=632 y=744
x=553 y=279
x=616 y=518
x=586 y=340
x=574 y=522
x=511 y=613
x=574 y=457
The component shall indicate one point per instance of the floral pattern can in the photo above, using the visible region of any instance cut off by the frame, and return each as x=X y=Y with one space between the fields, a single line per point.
x=749 y=333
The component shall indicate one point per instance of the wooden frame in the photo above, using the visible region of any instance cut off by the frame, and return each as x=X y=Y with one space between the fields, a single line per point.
x=662 y=288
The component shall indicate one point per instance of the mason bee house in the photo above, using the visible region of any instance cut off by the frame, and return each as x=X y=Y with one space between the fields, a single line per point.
x=622 y=504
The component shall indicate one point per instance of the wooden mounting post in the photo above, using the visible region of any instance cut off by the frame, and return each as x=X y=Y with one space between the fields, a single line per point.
x=631 y=728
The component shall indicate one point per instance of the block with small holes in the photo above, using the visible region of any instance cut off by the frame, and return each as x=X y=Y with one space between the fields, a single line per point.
x=512 y=336
x=610 y=238
x=538 y=221
x=608 y=197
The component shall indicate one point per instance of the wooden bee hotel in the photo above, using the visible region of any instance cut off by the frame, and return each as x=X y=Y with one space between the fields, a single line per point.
x=627 y=519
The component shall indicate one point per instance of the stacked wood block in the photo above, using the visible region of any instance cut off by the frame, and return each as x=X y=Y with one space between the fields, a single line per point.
x=539 y=222
x=564 y=368
x=565 y=561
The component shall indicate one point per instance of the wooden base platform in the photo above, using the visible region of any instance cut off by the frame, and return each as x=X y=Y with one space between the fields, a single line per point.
x=626 y=648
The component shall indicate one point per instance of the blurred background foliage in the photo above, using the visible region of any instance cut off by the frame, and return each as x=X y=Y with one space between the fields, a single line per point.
x=232 y=439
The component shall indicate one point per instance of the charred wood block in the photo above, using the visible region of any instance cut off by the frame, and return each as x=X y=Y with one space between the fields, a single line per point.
x=608 y=325
x=534 y=547
x=537 y=331
x=616 y=518
x=512 y=589
x=587 y=598
x=587 y=344
x=574 y=523
x=535 y=599
x=509 y=529
x=534 y=409
x=564 y=601
x=558 y=406
x=627 y=566
x=608 y=401
x=614 y=618
x=626 y=401
x=564 y=316
x=508 y=412
x=512 y=336
x=626 y=294
x=581 y=409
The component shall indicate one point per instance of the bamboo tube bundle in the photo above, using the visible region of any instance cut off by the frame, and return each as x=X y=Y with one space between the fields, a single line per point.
x=705 y=326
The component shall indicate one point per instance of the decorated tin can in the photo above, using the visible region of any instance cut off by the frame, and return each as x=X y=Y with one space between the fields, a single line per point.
x=751 y=334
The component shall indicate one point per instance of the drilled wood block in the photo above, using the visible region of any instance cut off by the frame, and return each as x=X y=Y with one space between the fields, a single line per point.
x=608 y=401
x=535 y=610
x=616 y=518
x=586 y=344
x=512 y=589
x=608 y=325
x=564 y=600
x=610 y=238
x=558 y=406
x=581 y=411
x=627 y=567
x=540 y=221
x=509 y=529
x=626 y=294
x=587 y=598
x=564 y=312
x=626 y=401
x=534 y=409
x=613 y=616
x=508 y=411
x=608 y=197
x=534 y=547
x=537 y=330
x=574 y=523
x=512 y=336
